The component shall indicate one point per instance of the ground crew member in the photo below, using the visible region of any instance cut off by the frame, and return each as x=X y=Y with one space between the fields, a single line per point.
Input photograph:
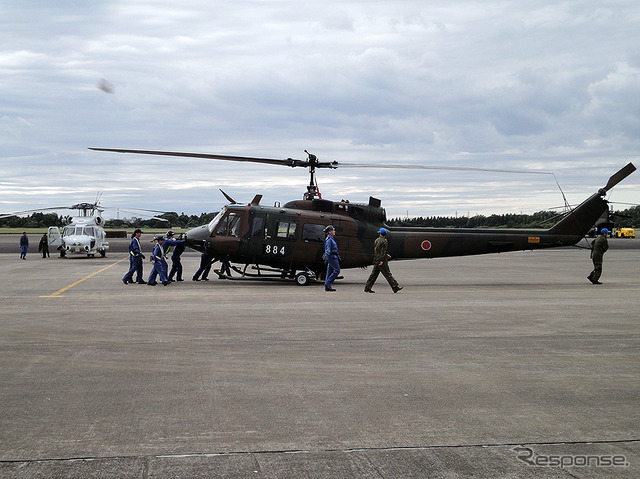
x=135 y=260
x=332 y=257
x=159 y=263
x=381 y=264
x=599 y=246
x=176 y=264
x=24 y=245
x=43 y=246
x=205 y=267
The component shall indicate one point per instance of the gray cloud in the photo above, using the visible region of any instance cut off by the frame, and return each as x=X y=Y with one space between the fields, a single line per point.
x=485 y=84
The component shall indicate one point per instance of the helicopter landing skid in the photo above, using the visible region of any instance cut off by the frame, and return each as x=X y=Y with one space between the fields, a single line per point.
x=252 y=277
x=302 y=278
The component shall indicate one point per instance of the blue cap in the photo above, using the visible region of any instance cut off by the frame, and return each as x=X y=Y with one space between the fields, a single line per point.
x=605 y=230
x=382 y=231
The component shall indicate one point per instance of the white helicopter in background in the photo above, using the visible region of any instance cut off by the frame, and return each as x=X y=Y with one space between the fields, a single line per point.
x=84 y=234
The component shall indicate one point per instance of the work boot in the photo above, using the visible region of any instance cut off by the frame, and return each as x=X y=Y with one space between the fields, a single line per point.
x=395 y=290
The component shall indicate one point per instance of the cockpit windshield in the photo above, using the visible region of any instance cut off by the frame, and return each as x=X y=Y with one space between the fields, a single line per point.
x=73 y=230
x=79 y=230
x=214 y=222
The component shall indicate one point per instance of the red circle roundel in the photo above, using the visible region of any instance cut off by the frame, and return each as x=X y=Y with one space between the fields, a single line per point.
x=426 y=245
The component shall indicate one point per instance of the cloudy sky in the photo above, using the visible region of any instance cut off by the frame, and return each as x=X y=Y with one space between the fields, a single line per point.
x=540 y=86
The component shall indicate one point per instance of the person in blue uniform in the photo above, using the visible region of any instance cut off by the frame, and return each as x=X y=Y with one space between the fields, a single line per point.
x=159 y=264
x=332 y=257
x=24 y=245
x=135 y=260
x=225 y=269
x=165 y=247
x=205 y=267
x=176 y=264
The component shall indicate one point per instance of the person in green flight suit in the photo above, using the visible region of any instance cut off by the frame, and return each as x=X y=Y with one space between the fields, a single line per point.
x=599 y=246
x=381 y=264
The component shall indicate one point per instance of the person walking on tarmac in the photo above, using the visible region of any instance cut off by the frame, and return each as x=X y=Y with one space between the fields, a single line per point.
x=332 y=257
x=24 y=245
x=381 y=264
x=176 y=264
x=135 y=260
x=598 y=248
x=43 y=246
x=159 y=264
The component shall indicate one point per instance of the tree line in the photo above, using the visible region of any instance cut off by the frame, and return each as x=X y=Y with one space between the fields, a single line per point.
x=542 y=219
x=44 y=220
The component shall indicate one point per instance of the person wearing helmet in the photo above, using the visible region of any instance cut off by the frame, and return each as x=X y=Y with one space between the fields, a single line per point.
x=332 y=257
x=598 y=248
x=381 y=264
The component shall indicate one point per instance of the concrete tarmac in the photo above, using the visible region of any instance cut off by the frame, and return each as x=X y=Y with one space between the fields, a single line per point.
x=496 y=366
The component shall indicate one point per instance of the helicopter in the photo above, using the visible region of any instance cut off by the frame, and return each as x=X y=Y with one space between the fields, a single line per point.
x=287 y=241
x=84 y=233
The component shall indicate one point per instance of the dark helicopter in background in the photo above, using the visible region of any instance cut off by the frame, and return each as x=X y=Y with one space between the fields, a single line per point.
x=287 y=241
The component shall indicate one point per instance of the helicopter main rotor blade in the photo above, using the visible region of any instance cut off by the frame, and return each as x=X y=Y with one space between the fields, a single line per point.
x=313 y=162
x=619 y=176
x=270 y=161
x=16 y=213
x=436 y=167
x=197 y=155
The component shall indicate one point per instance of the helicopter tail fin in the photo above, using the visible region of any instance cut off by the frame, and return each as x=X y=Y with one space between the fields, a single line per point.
x=582 y=218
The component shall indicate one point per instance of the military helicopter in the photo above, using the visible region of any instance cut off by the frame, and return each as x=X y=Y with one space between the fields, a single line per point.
x=287 y=241
x=83 y=235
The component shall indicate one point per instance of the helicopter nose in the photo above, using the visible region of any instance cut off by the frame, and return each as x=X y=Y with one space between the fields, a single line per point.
x=197 y=238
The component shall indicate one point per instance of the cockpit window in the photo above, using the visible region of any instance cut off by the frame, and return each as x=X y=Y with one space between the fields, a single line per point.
x=89 y=231
x=229 y=225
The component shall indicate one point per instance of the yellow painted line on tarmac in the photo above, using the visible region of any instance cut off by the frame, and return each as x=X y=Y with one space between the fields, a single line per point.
x=58 y=293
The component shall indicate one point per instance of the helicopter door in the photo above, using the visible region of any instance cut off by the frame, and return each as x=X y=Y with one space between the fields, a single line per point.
x=280 y=238
x=227 y=234
x=254 y=245
x=54 y=237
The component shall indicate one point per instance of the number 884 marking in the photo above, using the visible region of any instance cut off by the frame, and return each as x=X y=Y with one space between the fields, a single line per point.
x=273 y=249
